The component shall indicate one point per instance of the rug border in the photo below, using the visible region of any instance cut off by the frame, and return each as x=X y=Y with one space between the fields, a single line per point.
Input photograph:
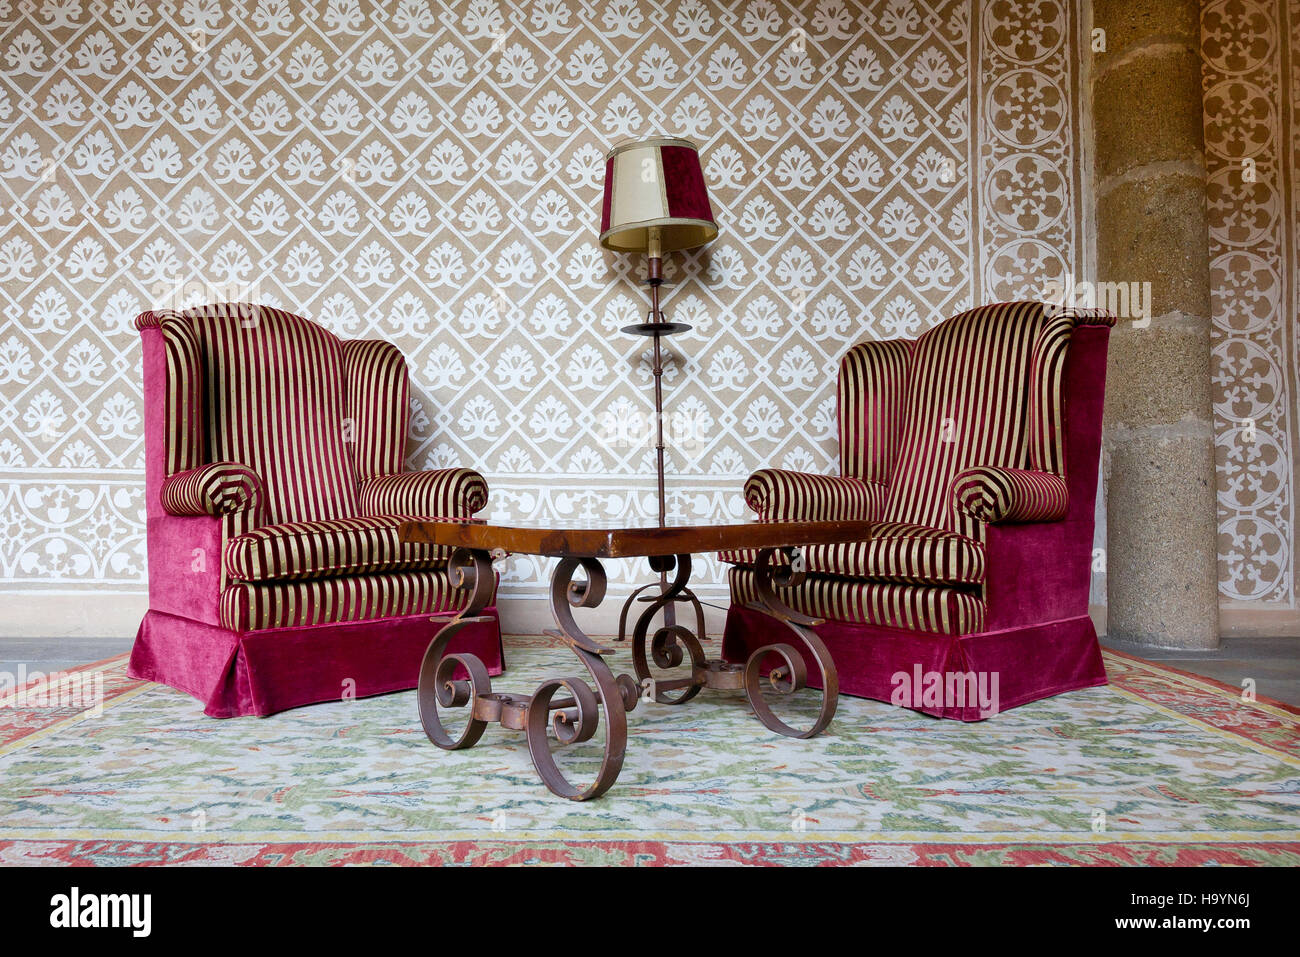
x=744 y=853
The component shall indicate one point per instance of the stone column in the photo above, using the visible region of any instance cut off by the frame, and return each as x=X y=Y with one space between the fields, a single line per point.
x=1162 y=566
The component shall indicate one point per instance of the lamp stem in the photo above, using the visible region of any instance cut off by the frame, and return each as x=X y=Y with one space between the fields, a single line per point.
x=655 y=278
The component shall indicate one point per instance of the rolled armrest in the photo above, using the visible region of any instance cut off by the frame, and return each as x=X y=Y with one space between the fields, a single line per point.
x=219 y=488
x=779 y=495
x=435 y=493
x=1081 y=316
x=997 y=495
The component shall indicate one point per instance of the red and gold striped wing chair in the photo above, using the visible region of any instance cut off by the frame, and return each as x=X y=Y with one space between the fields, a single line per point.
x=275 y=489
x=974 y=450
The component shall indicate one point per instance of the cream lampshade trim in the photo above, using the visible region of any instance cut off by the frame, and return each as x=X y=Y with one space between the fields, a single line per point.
x=674 y=234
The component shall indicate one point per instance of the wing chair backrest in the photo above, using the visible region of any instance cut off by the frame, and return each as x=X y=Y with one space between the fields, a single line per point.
x=312 y=415
x=378 y=406
x=983 y=389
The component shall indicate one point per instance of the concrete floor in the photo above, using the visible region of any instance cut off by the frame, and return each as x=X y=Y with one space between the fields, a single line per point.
x=1274 y=663
x=57 y=654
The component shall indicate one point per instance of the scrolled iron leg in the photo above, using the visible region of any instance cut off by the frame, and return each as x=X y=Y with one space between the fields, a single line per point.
x=437 y=687
x=575 y=719
x=790 y=675
x=661 y=565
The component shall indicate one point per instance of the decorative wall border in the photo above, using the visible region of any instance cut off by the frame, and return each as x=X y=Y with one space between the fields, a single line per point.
x=1252 y=139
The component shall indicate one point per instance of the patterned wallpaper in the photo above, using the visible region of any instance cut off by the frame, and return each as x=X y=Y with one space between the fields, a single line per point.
x=429 y=174
x=1251 y=57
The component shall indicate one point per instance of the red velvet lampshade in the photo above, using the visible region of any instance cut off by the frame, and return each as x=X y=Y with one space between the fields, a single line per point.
x=653 y=185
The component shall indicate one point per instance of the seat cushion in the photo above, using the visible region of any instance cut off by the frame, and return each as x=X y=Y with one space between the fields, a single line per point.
x=904 y=553
x=895 y=552
x=931 y=608
x=323 y=549
x=255 y=606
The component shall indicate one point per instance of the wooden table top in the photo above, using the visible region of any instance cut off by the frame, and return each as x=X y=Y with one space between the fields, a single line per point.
x=593 y=540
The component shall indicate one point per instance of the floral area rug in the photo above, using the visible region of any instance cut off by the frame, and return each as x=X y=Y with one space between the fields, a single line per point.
x=1159 y=767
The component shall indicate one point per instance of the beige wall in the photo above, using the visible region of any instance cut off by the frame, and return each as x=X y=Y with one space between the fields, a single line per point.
x=434 y=179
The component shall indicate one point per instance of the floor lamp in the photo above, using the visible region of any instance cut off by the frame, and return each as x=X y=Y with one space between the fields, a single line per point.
x=656 y=202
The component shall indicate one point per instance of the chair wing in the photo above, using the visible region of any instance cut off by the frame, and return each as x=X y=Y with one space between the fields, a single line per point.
x=871 y=391
x=378 y=410
x=181 y=390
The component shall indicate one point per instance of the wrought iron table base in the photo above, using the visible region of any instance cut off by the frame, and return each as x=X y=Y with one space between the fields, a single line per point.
x=572 y=709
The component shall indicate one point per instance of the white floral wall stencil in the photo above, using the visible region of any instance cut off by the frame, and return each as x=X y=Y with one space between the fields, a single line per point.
x=1252 y=145
x=430 y=173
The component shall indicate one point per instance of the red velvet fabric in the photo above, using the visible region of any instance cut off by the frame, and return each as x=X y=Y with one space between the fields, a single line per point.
x=688 y=197
x=263 y=672
x=1037 y=636
x=185 y=566
x=1030 y=662
x=182 y=644
x=1041 y=571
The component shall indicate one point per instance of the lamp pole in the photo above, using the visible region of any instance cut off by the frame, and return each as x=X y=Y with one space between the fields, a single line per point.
x=656 y=327
x=654 y=280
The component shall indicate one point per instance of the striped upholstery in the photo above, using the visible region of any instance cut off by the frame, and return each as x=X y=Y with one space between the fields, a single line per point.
x=248 y=606
x=1047 y=442
x=778 y=495
x=185 y=407
x=904 y=553
x=435 y=493
x=322 y=422
x=1011 y=495
x=985 y=393
x=270 y=387
x=306 y=436
x=872 y=388
x=933 y=608
x=899 y=553
x=954 y=431
x=275 y=403
x=216 y=489
x=343 y=546
x=230 y=491
x=966 y=407
x=378 y=410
